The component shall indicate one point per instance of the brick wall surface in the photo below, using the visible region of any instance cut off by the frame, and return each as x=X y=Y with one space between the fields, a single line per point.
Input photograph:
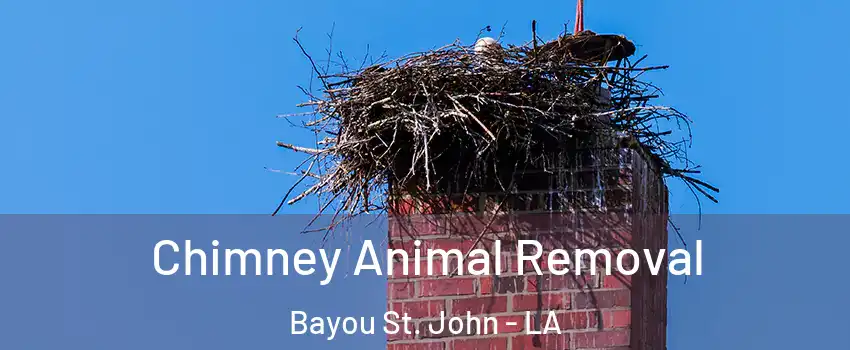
x=593 y=311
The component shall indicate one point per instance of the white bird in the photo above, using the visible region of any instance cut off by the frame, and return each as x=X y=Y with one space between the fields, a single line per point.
x=486 y=43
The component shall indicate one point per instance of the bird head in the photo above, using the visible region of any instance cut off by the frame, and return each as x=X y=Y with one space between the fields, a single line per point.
x=486 y=44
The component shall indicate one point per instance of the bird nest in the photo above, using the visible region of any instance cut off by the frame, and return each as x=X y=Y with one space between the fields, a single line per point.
x=460 y=119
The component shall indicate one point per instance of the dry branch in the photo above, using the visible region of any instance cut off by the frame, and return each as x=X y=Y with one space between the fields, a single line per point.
x=451 y=121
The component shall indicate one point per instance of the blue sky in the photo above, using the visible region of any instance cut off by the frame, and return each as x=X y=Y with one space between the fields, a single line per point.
x=169 y=107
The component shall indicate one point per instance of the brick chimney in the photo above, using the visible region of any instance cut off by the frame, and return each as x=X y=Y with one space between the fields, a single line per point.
x=612 y=199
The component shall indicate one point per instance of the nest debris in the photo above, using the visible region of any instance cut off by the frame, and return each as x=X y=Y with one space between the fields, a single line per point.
x=452 y=121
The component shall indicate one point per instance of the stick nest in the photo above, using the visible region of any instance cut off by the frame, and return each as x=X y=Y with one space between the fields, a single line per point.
x=454 y=121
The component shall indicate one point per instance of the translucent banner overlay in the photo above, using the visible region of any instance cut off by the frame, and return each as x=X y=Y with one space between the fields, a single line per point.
x=90 y=282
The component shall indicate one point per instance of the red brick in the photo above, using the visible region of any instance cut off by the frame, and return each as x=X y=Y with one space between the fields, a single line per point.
x=572 y=320
x=615 y=319
x=500 y=343
x=601 y=339
x=401 y=335
x=486 y=285
x=528 y=267
x=402 y=207
x=479 y=305
x=436 y=329
x=398 y=269
x=446 y=244
x=502 y=284
x=602 y=299
x=545 y=283
x=511 y=324
x=505 y=264
x=535 y=221
x=617 y=281
x=592 y=318
x=622 y=237
x=401 y=291
x=541 y=342
x=447 y=287
x=418 y=346
x=504 y=267
x=419 y=309
x=462 y=246
x=540 y=301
